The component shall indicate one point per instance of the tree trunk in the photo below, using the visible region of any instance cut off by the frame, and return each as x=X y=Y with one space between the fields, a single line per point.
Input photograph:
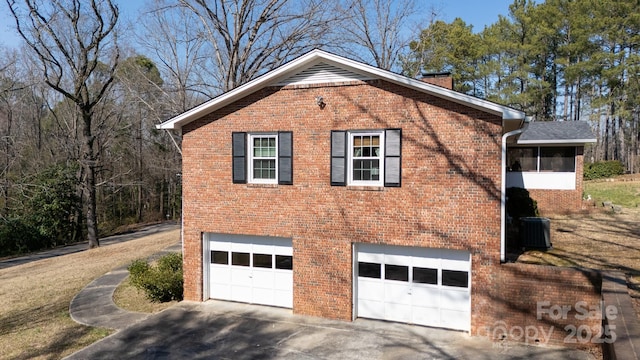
x=620 y=143
x=89 y=165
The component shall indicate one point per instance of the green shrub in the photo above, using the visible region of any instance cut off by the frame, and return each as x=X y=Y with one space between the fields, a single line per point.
x=602 y=169
x=17 y=236
x=137 y=272
x=171 y=262
x=161 y=282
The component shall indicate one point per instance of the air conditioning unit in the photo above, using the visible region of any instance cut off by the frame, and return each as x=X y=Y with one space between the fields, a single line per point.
x=535 y=232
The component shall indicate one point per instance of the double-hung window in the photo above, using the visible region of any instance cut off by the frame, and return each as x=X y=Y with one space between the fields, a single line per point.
x=263 y=162
x=262 y=158
x=366 y=156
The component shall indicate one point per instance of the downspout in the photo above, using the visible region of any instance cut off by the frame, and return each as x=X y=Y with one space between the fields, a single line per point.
x=503 y=190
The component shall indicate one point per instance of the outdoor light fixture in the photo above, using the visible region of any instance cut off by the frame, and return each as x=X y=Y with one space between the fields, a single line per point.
x=320 y=102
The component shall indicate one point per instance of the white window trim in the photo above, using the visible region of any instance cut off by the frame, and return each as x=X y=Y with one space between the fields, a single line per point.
x=350 y=180
x=251 y=179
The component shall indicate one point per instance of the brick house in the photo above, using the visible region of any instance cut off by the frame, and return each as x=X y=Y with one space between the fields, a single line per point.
x=342 y=190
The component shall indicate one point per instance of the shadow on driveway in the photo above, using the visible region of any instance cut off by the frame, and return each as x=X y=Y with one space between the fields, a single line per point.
x=225 y=330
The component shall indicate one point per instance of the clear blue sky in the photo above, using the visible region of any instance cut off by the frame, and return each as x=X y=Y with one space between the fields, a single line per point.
x=473 y=12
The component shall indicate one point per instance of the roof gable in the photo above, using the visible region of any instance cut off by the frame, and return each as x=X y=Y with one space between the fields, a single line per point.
x=319 y=66
x=322 y=73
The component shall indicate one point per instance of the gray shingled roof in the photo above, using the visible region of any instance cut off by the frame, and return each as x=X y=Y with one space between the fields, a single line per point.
x=550 y=132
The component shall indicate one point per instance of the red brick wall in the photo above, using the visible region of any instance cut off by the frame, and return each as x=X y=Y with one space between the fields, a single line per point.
x=450 y=194
x=445 y=81
x=517 y=291
x=562 y=201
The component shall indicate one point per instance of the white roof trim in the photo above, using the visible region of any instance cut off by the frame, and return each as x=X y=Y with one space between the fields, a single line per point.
x=316 y=56
x=556 y=141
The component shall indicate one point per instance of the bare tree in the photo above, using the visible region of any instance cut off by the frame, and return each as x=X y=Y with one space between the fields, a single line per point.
x=167 y=32
x=72 y=40
x=378 y=31
x=250 y=37
x=10 y=87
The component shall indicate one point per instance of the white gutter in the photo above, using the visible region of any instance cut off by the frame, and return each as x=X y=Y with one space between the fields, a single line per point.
x=503 y=190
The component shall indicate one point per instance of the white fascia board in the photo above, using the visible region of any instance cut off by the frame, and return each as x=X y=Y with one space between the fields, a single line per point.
x=556 y=142
x=316 y=56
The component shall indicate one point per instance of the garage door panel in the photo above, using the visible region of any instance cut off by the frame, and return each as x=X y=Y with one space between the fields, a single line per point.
x=220 y=275
x=263 y=279
x=373 y=309
x=370 y=289
x=283 y=249
x=397 y=312
x=397 y=293
x=428 y=296
x=283 y=298
x=418 y=285
x=262 y=248
x=251 y=269
x=454 y=299
x=220 y=291
x=241 y=275
x=458 y=320
x=426 y=262
x=241 y=247
x=241 y=293
x=263 y=296
x=456 y=264
x=218 y=245
x=397 y=259
x=371 y=257
x=426 y=316
x=283 y=281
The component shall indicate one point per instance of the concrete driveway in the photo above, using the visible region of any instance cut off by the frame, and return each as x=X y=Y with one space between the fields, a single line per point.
x=225 y=330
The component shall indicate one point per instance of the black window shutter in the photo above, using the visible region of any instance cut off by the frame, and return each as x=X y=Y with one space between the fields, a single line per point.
x=285 y=158
x=392 y=157
x=338 y=158
x=239 y=149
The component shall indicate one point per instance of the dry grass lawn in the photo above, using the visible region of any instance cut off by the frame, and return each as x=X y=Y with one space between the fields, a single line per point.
x=596 y=239
x=34 y=312
x=129 y=298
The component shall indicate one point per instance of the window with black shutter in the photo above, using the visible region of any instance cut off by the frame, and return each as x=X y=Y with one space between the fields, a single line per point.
x=366 y=158
x=263 y=158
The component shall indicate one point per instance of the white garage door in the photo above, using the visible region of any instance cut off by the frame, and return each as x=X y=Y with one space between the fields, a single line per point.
x=251 y=269
x=414 y=285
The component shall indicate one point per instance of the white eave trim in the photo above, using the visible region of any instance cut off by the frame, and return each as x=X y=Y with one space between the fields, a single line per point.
x=317 y=56
x=556 y=142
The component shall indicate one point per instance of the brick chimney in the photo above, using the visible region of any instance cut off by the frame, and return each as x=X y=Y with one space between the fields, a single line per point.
x=443 y=79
